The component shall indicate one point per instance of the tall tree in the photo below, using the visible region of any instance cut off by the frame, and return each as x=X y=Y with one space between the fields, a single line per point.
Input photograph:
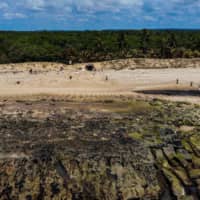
x=121 y=41
x=144 y=41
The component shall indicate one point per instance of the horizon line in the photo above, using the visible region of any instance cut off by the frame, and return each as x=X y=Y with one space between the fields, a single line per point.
x=113 y=29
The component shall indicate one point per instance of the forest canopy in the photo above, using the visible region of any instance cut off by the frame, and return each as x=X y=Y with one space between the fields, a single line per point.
x=88 y=46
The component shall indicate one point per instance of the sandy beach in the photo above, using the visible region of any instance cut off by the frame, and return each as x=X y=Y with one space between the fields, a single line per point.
x=16 y=81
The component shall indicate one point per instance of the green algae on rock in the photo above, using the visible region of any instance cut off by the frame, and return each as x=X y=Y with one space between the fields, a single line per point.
x=71 y=152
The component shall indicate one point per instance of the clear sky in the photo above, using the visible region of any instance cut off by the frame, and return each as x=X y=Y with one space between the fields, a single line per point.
x=98 y=14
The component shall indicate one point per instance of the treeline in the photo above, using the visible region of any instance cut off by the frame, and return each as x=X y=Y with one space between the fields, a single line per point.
x=91 y=46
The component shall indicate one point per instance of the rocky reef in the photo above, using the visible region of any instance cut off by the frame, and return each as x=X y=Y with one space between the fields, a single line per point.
x=60 y=150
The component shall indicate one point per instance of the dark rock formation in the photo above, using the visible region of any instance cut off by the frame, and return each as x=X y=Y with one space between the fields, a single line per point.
x=52 y=152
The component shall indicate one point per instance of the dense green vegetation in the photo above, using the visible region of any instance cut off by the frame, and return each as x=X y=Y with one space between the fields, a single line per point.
x=97 y=45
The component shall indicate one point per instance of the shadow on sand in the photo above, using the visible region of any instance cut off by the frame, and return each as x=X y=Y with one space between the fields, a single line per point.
x=171 y=92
